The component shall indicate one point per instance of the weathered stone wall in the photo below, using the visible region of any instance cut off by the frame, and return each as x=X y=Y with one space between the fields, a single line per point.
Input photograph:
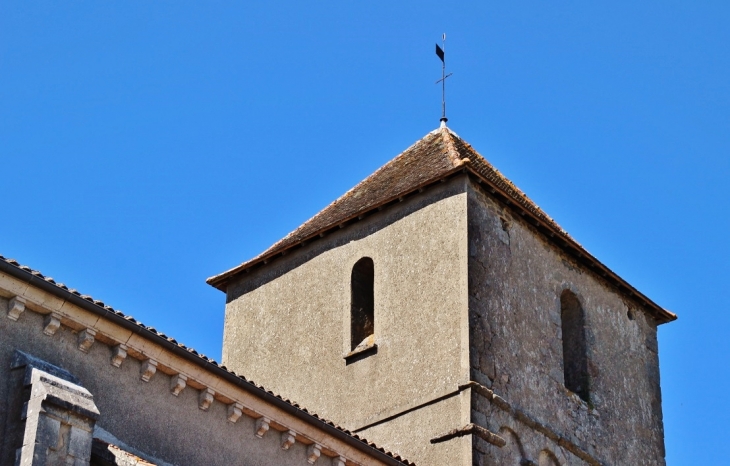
x=144 y=416
x=515 y=281
x=287 y=325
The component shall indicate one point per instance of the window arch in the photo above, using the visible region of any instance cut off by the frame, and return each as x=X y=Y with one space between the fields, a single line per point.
x=575 y=356
x=362 y=307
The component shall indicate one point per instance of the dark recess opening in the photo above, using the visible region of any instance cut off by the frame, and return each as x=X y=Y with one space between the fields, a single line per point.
x=362 y=308
x=575 y=357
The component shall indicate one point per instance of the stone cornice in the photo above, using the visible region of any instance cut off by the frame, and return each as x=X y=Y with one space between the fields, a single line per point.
x=157 y=354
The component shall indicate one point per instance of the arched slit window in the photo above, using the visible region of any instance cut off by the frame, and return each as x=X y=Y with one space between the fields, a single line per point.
x=362 y=308
x=575 y=357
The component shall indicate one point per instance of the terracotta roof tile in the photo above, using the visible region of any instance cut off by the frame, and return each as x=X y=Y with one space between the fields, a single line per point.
x=440 y=154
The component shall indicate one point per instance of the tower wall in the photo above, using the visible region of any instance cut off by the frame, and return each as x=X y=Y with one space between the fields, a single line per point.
x=516 y=278
x=287 y=326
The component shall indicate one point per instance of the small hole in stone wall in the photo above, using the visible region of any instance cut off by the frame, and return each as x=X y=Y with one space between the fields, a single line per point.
x=630 y=314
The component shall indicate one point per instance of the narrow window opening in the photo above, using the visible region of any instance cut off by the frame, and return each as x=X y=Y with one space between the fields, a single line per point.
x=575 y=357
x=362 y=309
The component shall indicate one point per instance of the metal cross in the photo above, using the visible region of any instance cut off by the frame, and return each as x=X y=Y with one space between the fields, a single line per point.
x=440 y=51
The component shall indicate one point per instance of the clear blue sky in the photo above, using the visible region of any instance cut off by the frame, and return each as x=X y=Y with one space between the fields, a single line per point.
x=148 y=145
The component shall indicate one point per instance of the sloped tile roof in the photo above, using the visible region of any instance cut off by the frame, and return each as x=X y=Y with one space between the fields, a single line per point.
x=99 y=307
x=440 y=154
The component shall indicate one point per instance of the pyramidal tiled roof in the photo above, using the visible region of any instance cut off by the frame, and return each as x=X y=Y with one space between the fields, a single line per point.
x=440 y=154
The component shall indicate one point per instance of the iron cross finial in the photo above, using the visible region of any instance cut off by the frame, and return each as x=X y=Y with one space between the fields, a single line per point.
x=442 y=55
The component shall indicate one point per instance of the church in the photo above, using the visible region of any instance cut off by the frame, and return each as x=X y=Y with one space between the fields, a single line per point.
x=432 y=315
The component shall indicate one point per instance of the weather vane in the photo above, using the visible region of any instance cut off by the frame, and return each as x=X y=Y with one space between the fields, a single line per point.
x=441 y=54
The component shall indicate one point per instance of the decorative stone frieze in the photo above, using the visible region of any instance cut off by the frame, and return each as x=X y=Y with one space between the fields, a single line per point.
x=16 y=306
x=206 y=398
x=313 y=453
x=86 y=339
x=177 y=383
x=52 y=323
x=119 y=353
x=262 y=426
x=148 y=369
x=288 y=439
x=235 y=411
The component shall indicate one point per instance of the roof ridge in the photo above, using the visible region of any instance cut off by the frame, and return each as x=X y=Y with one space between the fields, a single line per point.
x=453 y=154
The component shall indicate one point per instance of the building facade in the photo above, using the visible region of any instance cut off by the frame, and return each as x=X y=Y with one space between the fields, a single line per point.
x=433 y=309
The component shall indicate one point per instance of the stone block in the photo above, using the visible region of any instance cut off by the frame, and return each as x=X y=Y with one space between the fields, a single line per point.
x=119 y=354
x=16 y=306
x=313 y=453
x=261 y=426
x=235 y=410
x=148 y=369
x=205 y=399
x=80 y=443
x=86 y=339
x=177 y=383
x=288 y=439
x=52 y=323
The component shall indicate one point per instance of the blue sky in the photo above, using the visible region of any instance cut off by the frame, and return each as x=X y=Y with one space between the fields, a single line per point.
x=148 y=145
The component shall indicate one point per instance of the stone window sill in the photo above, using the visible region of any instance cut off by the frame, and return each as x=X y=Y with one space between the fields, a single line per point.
x=361 y=352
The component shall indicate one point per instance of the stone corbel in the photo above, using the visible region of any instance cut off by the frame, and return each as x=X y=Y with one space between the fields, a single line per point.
x=262 y=426
x=119 y=353
x=206 y=398
x=86 y=339
x=339 y=461
x=16 y=306
x=148 y=369
x=52 y=323
x=178 y=383
x=288 y=439
x=313 y=453
x=235 y=411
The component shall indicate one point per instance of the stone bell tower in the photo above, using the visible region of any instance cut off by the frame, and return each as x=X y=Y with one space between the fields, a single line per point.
x=436 y=310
